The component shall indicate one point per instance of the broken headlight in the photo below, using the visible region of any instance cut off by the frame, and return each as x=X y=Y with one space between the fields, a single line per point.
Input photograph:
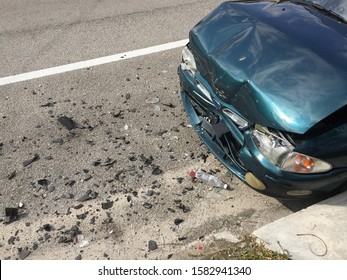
x=277 y=149
x=188 y=61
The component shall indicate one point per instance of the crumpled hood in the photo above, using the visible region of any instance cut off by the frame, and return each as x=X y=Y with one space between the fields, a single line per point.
x=280 y=65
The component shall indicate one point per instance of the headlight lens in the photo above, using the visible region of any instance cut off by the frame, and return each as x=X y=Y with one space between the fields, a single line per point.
x=277 y=149
x=188 y=61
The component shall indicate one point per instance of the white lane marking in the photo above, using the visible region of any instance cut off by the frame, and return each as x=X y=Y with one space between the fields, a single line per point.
x=89 y=63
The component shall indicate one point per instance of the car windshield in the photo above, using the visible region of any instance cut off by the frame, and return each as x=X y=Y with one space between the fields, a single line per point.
x=337 y=7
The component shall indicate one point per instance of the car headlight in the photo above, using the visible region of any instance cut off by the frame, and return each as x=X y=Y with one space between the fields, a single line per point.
x=278 y=150
x=188 y=61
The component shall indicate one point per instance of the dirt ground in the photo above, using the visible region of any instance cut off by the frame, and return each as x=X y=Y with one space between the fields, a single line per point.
x=107 y=176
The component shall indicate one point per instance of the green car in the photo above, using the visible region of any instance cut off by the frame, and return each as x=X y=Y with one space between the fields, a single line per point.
x=264 y=84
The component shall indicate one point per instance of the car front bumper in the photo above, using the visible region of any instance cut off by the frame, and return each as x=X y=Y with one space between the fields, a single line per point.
x=235 y=148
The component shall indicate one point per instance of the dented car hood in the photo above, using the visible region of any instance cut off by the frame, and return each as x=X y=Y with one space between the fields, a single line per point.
x=279 y=65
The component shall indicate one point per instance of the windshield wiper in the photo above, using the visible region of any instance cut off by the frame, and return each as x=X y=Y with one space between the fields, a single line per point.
x=327 y=12
x=319 y=8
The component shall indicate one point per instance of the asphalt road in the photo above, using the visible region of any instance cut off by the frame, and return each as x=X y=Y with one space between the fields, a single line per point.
x=133 y=154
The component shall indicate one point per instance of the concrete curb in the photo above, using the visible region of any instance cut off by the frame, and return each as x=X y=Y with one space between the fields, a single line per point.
x=318 y=232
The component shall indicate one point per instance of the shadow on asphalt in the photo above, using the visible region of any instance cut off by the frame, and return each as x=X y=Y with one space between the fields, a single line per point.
x=299 y=204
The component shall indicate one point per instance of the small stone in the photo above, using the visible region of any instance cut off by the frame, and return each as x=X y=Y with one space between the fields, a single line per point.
x=79 y=257
x=128 y=96
x=152 y=245
x=78 y=206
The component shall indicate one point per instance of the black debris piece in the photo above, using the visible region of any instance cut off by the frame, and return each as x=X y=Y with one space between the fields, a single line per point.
x=106 y=205
x=147 y=205
x=146 y=161
x=48 y=227
x=43 y=182
x=118 y=114
x=185 y=208
x=12 y=175
x=87 y=177
x=59 y=141
x=81 y=216
x=11 y=214
x=1 y=146
x=31 y=160
x=78 y=206
x=96 y=162
x=11 y=240
x=79 y=257
x=178 y=221
x=128 y=96
x=87 y=196
x=68 y=196
x=170 y=105
x=109 y=162
x=23 y=253
x=171 y=210
x=70 y=183
x=48 y=104
x=150 y=193
x=157 y=171
x=67 y=122
x=182 y=238
x=152 y=245
x=180 y=180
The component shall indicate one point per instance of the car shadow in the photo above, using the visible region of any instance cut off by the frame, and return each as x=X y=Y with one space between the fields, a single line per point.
x=300 y=204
